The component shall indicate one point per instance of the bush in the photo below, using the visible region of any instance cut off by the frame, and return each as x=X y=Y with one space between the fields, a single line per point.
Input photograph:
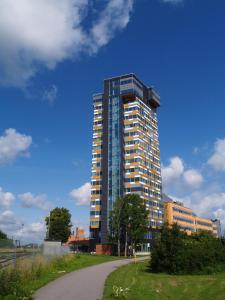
x=177 y=253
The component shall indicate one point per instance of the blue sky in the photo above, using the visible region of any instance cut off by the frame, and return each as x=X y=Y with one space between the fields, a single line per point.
x=51 y=64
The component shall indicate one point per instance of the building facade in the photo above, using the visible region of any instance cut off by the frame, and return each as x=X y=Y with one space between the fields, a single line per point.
x=176 y=212
x=125 y=152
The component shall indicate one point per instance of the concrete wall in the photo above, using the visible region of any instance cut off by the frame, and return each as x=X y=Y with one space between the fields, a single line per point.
x=54 y=248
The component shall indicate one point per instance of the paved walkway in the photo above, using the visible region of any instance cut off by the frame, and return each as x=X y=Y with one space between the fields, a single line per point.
x=84 y=284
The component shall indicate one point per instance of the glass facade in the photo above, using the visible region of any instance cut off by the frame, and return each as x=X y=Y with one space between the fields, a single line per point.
x=114 y=143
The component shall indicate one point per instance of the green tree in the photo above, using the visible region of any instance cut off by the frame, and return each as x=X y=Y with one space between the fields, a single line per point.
x=168 y=251
x=3 y=236
x=115 y=223
x=58 y=224
x=135 y=220
x=128 y=222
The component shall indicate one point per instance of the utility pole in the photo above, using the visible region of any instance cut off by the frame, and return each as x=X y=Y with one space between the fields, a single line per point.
x=49 y=221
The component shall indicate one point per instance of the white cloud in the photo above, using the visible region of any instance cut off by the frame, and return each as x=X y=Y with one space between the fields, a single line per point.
x=114 y=17
x=28 y=200
x=193 y=178
x=173 y=171
x=220 y=214
x=6 y=198
x=206 y=205
x=82 y=195
x=176 y=174
x=9 y=223
x=217 y=160
x=50 y=94
x=15 y=227
x=30 y=233
x=12 y=145
x=46 y=32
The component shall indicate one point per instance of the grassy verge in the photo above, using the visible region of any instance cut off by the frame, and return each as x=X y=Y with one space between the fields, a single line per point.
x=21 y=281
x=144 y=285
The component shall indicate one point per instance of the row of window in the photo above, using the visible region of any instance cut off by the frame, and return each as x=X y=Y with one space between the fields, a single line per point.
x=155 y=214
x=94 y=223
x=146 y=121
x=97 y=107
x=146 y=146
x=96 y=165
x=97 y=100
x=97 y=182
x=98 y=122
x=95 y=213
x=96 y=173
x=96 y=192
x=186 y=228
x=99 y=155
x=154 y=224
x=96 y=115
x=97 y=130
x=99 y=147
x=96 y=202
x=183 y=220
x=143 y=162
x=203 y=224
x=141 y=189
x=141 y=152
x=140 y=179
x=181 y=211
x=128 y=81
x=144 y=171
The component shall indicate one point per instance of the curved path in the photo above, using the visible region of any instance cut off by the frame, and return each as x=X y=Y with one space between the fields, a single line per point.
x=84 y=284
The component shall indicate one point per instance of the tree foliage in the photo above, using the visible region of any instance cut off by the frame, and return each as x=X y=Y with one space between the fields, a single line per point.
x=177 y=253
x=58 y=225
x=3 y=236
x=128 y=222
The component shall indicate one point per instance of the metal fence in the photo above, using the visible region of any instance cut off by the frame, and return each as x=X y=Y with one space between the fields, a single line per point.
x=11 y=250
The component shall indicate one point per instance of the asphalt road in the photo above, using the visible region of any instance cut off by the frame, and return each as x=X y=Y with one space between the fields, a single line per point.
x=84 y=284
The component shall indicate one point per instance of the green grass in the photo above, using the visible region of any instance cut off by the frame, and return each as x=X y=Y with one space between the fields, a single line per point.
x=148 y=286
x=32 y=273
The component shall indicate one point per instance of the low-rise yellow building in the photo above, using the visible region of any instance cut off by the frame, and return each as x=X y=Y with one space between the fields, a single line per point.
x=176 y=212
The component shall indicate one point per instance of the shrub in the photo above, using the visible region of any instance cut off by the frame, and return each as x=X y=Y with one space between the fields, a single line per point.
x=177 y=253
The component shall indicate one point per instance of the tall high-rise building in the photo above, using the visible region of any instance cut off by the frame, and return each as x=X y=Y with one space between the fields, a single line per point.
x=125 y=152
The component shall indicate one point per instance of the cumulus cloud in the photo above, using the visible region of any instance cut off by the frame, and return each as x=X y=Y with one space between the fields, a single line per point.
x=176 y=174
x=33 y=232
x=13 y=144
x=220 y=214
x=114 y=17
x=6 y=198
x=217 y=160
x=36 y=33
x=50 y=94
x=15 y=227
x=193 y=178
x=173 y=171
x=28 y=200
x=9 y=223
x=82 y=195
